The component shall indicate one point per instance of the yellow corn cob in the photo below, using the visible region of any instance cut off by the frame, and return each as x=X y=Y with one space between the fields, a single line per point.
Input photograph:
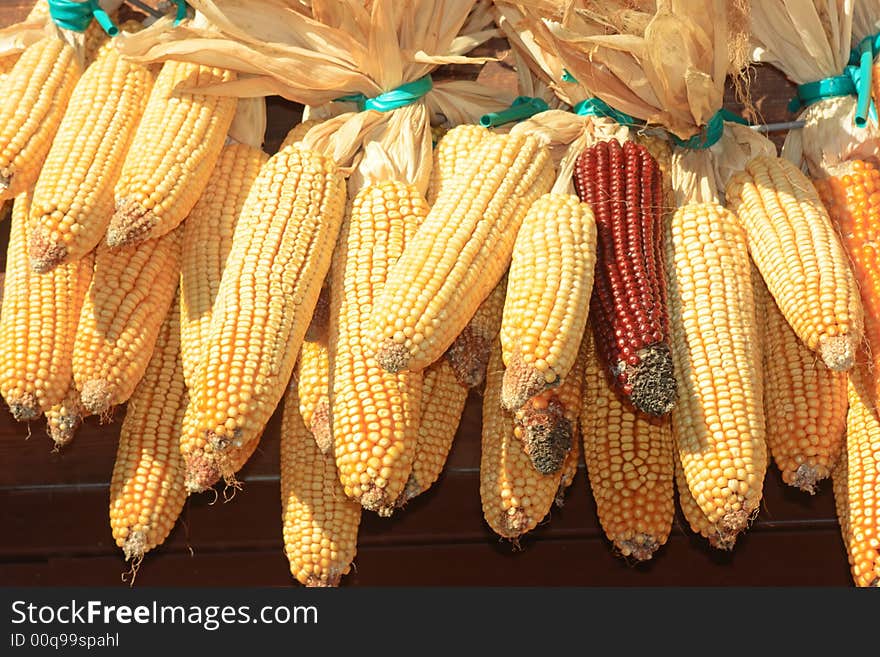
x=443 y=399
x=629 y=459
x=146 y=490
x=850 y=196
x=207 y=240
x=280 y=255
x=129 y=296
x=37 y=324
x=718 y=421
x=35 y=95
x=804 y=402
x=63 y=419
x=856 y=479
x=298 y=131
x=548 y=423
x=6 y=64
x=174 y=150
x=451 y=155
x=468 y=355
x=375 y=414
x=718 y=538
x=515 y=496
x=313 y=391
x=320 y=521
x=459 y=254
x=548 y=296
x=800 y=257
x=73 y=197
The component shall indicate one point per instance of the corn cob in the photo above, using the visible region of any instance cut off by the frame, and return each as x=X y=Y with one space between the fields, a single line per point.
x=131 y=291
x=468 y=355
x=37 y=324
x=548 y=296
x=375 y=414
x=661 y=150
x=451 y=155
x=320 y=522
x=629 y=464
x=459 y=254
x=628 y=305
x=718 y=421
x=207 y=240
x=146 y=490
x=801 y=259
x=313 y=391
x=174 y=150
x=718 y=538
x=548 y=423
x=63 y=419
x=35 y=95
x=856 y=479
x=569 y=471
x=850 y=195
x=73 y=198
x=804 y=402
x=443 y=399
x=319 y=326
x=298 y=131
x=515 y=497
x=280 y=254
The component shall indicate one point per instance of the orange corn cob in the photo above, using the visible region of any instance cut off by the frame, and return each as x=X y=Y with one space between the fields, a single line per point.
x=629 y=463
x=313 y=390
x=719 y=538
x=63 y=419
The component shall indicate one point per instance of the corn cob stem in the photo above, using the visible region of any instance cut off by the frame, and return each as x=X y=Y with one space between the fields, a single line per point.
x=628 y=306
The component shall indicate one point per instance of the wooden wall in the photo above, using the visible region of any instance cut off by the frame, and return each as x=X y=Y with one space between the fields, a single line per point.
x=54 y=528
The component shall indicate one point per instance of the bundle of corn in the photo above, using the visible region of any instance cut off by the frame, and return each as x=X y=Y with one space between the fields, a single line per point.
x=376 y=58
x=38 y=86
x=685 y=57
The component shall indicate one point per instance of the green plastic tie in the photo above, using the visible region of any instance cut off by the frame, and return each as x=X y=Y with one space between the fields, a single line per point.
x=181 y=12
x=76 y=16
x=852 y=82
x=710 y=133
x=522 y=108
x=598 y=107
x=567 y=77
x=405 y=94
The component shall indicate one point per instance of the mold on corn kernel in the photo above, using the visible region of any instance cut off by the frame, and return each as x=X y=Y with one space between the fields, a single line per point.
x=546 y=434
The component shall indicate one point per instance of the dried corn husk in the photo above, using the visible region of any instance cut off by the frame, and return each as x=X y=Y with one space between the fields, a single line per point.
x=340 y=48
x=18 y=36
x=810 y=40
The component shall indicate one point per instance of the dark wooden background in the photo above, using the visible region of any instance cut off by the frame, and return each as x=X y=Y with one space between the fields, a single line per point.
x=54 y=527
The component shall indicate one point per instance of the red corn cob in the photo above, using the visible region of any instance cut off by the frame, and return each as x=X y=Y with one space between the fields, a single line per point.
x=628 y=305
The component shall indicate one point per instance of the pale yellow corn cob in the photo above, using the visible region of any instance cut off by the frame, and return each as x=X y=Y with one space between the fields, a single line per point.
x=459 y=254
x=629 y=458
x=207 y=240
x=804 y=402
x=298 y=131
x=320 y=521
x=468 y=355
x=794 y=245
x=856 y=479
x=375 y=414
x=548 y=296
x=63 y=419
x=38 y=323
x=451 y=155
x=146 y=490
x=280 y=255
x=515 y=497
x=35 y=95
x=443 y=399
x=131 y=291
x=174 y=150
x=719 y=420
x=73 y=197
